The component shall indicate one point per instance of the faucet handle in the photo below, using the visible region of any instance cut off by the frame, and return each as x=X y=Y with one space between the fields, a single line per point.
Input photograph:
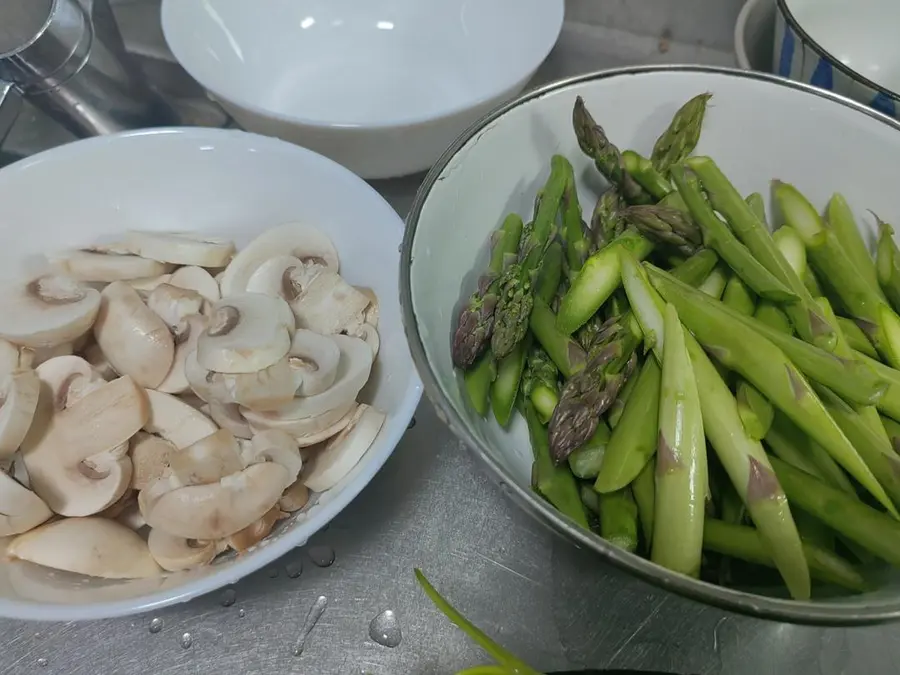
x=10 y=105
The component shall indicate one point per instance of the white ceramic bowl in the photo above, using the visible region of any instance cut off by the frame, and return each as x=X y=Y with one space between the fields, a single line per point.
x=758 y=128
x=383 y=86
x=231 y=184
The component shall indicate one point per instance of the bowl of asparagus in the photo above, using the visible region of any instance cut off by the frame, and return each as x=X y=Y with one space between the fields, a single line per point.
x=668 y=324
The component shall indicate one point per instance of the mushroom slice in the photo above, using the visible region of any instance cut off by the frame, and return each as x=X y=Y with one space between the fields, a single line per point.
x=97 y=547
x=94 y=355
x=315 y=357
x=67 y=379
x=295 y=497
x=12 y=358
x=105 y=267
x=118 y=507
x=131 y=517
x=369 y=333
x=19 y=393
x=172 y=304
x=253 y=534
x=43 y=354
x=20 y=509
x=246 y=333
x=316 y=437
x=176 y=421
x=182 y=248
x=207 y=461
x=228 y=416
x=186 y=334
x=305 y=427
x=276 y=446
x=177 y=553
x=218 y=510
x=147 y=284
x=327 y=304
x=197 y=279
x=134 y=339
x=279 y=277
x=196 y=403
x=47 y=311
x=371 y=314
x=353 y=372
x=343 y=452
x=299 y=240
x=150 y=457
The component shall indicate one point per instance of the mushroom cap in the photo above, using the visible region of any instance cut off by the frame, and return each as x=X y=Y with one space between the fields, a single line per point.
x=19 y=393
x=172 y=304
x=97 y=547
x=299 y=240
x=276 y=277
x=316 y=358
x=134 y=339
x=276 y=446
x=197 y=279
x=326 y=303
x=150 y=457
x=177 y=553
x=147 y=284
x=369 y=333
x=228 y=416
x=343 y=452
x=246 y=333
x=176 y=421
x=95 y=266
x=38 y=355
x=187 y=334
x=47 y=311
x=67 y=379
x=254 y=533
x=207 y=461
x=218 y=510
x=305 y=427
x=182 y=248
x=372 y=312
x=20 y=509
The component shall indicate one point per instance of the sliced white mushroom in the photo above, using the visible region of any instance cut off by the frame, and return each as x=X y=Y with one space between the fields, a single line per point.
x=18 y=471
x=105 y=267
x=118 y=507
x=176 y=421
x=304 y=427
x=11 y=357
x=115 y=248
x=276 y=446
x=47 y=311
x=150 y=457
x=97 y=547
x=20 y=509
x=228 y=416
x=315 y=437
x=369 y=333
x=372 y=314
x=343 y=452
x=177 y=553
x=316 y=358
x=68 y=378
x=134 y=339
x=131 y=517
x=94 y=355
x=299 y=240
x=251 y=535
x=182 y=248
x=173 y=304
x=196 y=403
x=218 y=510
x=19 y=393
x=266 y=389
x=246 y=333
x=147 y=284
x=295 y=497
x=197 y=279
x=326 y=303
x=186 y=334
x=42 y=354
x=207 y=461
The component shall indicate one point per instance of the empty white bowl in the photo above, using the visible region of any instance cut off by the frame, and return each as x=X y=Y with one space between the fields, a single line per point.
x=381 y=86
x=230 y=184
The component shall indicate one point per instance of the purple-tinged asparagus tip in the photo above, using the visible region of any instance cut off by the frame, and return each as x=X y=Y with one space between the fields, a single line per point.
x=666 y=459
x=761 y=482
x=798 y=385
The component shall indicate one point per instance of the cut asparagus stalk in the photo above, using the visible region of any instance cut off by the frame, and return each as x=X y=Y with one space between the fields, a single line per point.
x=540 y=383
x=586 y=460
x=619 y=519
x=889 y=401
x=573 y=226
x=566 y=353
x=772 y=316
x=681 y=471
x=738 y=296
x=888 y=264
x=892 y=428
x=666 y=226
x=697 y=268
x=855 y=337
x=505 y=387
x=725 y=199
x=812 y=283
x=618 y=406
x=714 y=284
x=758 y=206
x=478 y=382
x=644 y=491
x=755 y=410
x=678 y=141
x=607 y=222
x=839 y=219
x=646 y=174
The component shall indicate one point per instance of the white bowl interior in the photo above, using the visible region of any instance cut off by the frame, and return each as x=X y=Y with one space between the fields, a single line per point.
x=755 y=129
x=348 y=63
x=861 y=35
x=225 y=183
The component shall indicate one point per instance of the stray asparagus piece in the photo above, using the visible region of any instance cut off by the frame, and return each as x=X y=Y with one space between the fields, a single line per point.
x=724 y=198
x=888 y=264
x=619 y=519
x=791 y=445
x=644 y=491
x=540 y=383
x=765 y=366
x=839 y=219
x=873 y=530
x=555 y=483
x=577 y=244
x=667 y=226
x=633 y=441
x=476 y=320
x=755 y=410
x=855 y=337
x=874 y=315
x=681 y=471
x=607 y=222
x=893 y=431
x=738 y=296
x=889 y=401
x=505 y=387
x=758 y=205
x=566 y=353
x=646 y=174
x=600 y=276
x=771 y=315
x=478 y=381
x=678 y=141
x=714 y=284
x=740 y=541
x=586 y=460
x=792 y=248
x=697 y=268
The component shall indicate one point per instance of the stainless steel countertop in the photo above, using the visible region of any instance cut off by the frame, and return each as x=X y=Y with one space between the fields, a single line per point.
x=432 y=507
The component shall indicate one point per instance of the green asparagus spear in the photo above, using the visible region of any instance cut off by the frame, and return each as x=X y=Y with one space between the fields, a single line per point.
x=678 y=141
x=478 y=381
x=792 y=248
x=889 y=401
x=646 y=175
x=476 y=321
x=681 y=471
x=614 y=414
x=666 y=226
x=725 y=199
x=540 y=383
x=855 y=337
x=771 y=315
x=586 y=460
x=755 y=410
x=697 y=268
x=839 y=219
x=573 y=226
x=505 y=387
x=873 y=530
x=516 y=293
x=893 y=431
x=793 y=446
x=566 y=353
x=888 y=263
x=619 y=519
x=607 y=222
x=644 y=490
x=766 y=367
x=718 y=237
x=593 y=142
x=600 y=276
x=739 y=541
x=812 y=283
x=875 y=316
x=738 y=296
x=758 y=206
x=555 y=483
x=714 y=284
x=634 y=440
x=743 y=459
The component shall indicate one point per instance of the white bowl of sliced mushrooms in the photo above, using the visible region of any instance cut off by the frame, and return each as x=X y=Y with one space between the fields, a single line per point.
x=201 y=363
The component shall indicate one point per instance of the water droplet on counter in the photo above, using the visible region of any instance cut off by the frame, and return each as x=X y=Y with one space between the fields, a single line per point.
x=187 y=640
x=156 y=625
x=322 y=556
x=272 y=572
x=315 y=613
x=228 y=597
x=37 y=635
x=42 y=662
x=385 y=629
x=294 y=569
x=242 y=614
x=411 y=424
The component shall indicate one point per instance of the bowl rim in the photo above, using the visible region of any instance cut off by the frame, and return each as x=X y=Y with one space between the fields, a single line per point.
x=268 y=553
x=791 y=611
x=526 y=69
x=825 y=54
x=740 y=29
